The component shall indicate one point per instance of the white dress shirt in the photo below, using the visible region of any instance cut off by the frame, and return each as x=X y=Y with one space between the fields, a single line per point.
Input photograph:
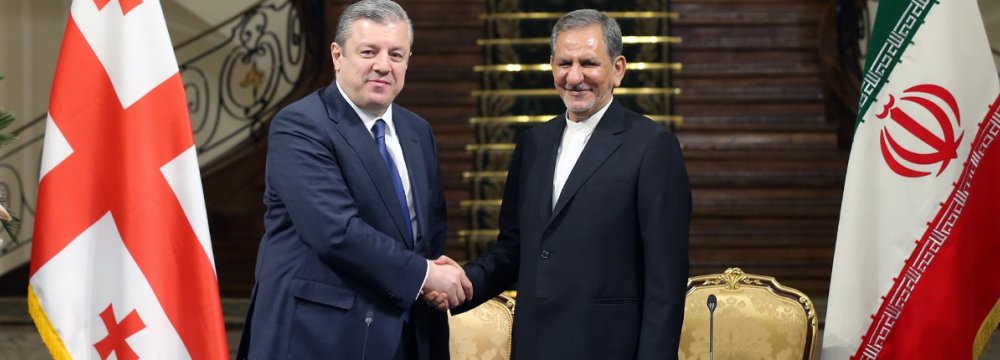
x=574 y=139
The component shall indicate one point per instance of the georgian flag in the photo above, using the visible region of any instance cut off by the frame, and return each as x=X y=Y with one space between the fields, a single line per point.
x=121 y=261
x=914 y=270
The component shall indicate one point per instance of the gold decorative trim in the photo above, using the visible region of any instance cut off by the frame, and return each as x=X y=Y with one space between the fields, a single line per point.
x=556 y=15
x=640 y=39
x=48 y=333
x=483 y=174
x=465 y=204
x=985 y=332
x=512 y=67
x=553 y=92
x=514 y=119
x=731 y=279
x=545 y=40
x=639 y=66
x=478 y=233
x=524 y=119
x=516 y=92
x=489 y=147
x=509 y=298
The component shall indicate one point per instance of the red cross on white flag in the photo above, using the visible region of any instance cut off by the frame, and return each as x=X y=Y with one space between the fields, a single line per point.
x=121 y=259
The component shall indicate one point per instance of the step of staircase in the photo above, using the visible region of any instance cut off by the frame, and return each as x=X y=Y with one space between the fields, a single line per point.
x=764 y=163
x=754 y=141
x=777 y=37
x=746 y=13
x=758 y=173
x=721 y=69
x=774 y=123
x=787 y=203
x=762 y=232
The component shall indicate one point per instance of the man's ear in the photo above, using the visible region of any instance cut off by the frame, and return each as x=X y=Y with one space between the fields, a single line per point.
x=336 y=52
x=619 y=70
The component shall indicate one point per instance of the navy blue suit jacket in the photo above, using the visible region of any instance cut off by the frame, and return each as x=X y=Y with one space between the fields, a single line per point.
x=602 y=275
x=333 y=253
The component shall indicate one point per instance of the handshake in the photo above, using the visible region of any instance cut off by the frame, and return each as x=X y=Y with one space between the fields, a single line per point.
x=446 y=286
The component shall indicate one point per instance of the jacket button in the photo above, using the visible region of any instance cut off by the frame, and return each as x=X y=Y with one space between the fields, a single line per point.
x=545 y=254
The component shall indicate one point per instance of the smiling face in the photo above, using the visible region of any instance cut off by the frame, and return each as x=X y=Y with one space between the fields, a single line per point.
x=583 y=72
x=371 y=64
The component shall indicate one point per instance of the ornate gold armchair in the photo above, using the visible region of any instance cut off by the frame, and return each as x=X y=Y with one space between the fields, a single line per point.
x=755 y=318
x=483 y=332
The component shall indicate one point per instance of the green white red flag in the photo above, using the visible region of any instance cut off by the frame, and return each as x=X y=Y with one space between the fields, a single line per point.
x=913 y=274
x=121 y=262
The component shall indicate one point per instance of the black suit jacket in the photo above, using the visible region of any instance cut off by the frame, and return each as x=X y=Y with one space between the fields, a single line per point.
x=603 y=274
x=333 y=253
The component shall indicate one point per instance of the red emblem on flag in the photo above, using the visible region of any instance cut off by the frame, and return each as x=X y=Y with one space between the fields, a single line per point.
x=117 y=333
x=127 y=5
x=931 y=128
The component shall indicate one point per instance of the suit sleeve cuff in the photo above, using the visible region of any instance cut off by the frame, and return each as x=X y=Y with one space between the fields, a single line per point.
x=422 y=283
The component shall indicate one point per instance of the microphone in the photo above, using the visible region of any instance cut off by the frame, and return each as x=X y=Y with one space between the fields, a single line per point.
x=369 y=317
x=712 y=304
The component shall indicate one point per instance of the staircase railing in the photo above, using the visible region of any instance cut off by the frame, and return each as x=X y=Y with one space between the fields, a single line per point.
x=236 y=75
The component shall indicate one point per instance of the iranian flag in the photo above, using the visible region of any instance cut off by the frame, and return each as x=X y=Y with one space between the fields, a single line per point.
x=121 y=261
x=914 y=272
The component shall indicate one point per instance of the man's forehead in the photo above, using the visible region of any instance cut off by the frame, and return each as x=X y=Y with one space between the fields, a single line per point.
x=578 y=44
x=592 y=30
x=584 y=36
x=375 y=33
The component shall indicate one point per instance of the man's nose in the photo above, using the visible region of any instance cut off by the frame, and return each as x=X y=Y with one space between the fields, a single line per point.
x=381 y=64
x=574 y=76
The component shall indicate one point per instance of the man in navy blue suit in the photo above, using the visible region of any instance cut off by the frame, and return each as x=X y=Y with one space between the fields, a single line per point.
x=355 y=209
x=595 y=217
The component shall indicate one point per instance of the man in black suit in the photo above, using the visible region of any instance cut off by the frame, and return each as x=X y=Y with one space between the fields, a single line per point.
x=595 y=217
x=355 y=209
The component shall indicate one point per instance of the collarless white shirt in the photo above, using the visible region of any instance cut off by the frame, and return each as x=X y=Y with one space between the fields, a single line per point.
x=574 y=138
x=395 y=151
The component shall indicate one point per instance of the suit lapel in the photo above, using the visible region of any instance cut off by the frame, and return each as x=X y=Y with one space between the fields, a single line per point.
x=548 y=148
x=409 y=140
x=600 y=146
x=360 y=139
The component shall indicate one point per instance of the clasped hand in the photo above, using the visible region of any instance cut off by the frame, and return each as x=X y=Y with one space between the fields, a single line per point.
x=446 y=286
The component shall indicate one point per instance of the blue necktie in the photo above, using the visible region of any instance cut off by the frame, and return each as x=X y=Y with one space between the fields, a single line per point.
x=379 y=130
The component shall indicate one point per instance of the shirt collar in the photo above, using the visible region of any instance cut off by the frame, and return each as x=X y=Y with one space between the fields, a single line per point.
x=368 y=118
x=588 y=124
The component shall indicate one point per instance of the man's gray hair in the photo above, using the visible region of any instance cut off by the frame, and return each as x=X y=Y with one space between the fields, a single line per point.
x=382 y=12
x=586 y=17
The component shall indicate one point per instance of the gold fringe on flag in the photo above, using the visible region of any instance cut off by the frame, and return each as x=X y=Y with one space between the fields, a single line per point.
x=49 y=334
x=986 y=331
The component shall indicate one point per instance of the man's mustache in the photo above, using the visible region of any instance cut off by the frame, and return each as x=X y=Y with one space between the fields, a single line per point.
x=376 y=77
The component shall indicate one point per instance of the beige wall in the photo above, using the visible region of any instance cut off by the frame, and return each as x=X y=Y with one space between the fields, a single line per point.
x=991 y=19
x=31 y=32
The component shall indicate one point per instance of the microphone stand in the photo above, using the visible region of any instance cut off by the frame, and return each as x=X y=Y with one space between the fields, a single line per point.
x=368 y=324
x=712 y=303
